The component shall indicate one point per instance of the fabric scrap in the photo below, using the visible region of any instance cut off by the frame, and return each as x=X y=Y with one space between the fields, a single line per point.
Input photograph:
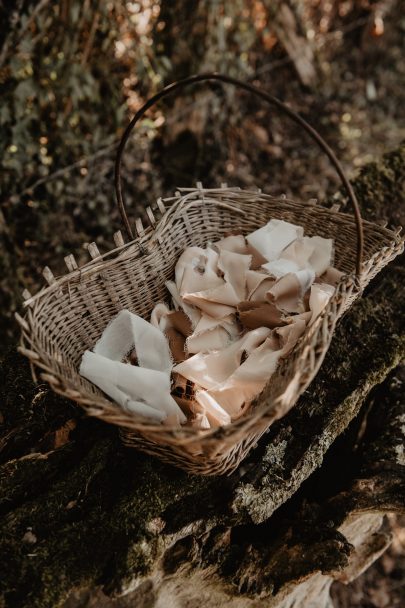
x=270 y=240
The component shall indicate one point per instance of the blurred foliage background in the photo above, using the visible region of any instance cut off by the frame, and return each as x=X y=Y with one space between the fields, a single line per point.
x=73 y=72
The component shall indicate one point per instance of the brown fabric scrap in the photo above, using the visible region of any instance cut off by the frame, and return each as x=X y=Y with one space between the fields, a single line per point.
x=260 y=314
x=177 y=330
x=176 y=344
x=133 y=357
x=180 y=322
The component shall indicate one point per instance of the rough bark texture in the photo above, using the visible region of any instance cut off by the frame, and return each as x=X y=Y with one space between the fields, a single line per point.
x=87 y=523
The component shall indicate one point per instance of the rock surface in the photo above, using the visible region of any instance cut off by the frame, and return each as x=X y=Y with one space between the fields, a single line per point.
x=87 y=523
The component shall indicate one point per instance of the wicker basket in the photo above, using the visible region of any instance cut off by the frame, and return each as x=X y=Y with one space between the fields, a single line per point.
x=69 y=315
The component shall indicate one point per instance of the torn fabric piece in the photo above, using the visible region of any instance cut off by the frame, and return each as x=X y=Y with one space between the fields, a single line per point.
x=206 y=323
x=257 y=258
x=215 y=296
x=234 y=243
x=144 y=390
x=132 y=387
x=213 y=339
x=176 y=326
x=234 y=266
x=280 y=267
x=270 y=240
x=291 y=333
x=332 y=276
x=158 y=316
x=217 y=302
x=287 y=293
x=211 y=333
x=196 y=270
x=231 y=383
x=200 y=421
x=177 y=344
x=210 y=369
x=127 y=330
x=258 y=284
x=193 y=314
x=260 y=314
x=313 y=252
x=180 y=322
x=320 y=295
x=247 y=381
x=215 y=414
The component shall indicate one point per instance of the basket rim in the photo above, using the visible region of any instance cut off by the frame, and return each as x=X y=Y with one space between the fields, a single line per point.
x=146 y=236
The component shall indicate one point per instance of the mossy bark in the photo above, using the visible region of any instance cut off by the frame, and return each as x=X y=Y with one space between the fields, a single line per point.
x=80 y=513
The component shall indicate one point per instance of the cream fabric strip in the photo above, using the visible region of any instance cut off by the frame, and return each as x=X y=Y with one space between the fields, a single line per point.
x=314 y=253
x=230 y=383
x=215 y=414
x=258 y=284
x=138 y=390
x=332 y=276
x=271 y=239
x=287 y=293
x=234 y=243
x=247 y=381
x=320 y=295
x=127 y=330
x=208 y=370
x=133 y=387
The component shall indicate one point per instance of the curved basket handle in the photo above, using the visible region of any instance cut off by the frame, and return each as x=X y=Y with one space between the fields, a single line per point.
x=171 y=88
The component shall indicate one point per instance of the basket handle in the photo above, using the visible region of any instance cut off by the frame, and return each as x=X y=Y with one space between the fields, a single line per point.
x=171 y=88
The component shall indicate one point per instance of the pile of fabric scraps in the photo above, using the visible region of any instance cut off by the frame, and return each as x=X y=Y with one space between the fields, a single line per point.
x=238 y=306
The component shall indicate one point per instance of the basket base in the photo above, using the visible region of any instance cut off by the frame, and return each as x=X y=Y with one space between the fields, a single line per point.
x=193 y=458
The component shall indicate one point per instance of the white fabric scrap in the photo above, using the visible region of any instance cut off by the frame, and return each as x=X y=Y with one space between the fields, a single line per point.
x=271 y=239
x=138 y=390
x=127 y=331
x=279 y=268
x=144 y=390
x=158 y=316
x=313 y=252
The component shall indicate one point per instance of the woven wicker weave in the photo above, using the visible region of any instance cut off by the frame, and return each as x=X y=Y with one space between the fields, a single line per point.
x=68 y=316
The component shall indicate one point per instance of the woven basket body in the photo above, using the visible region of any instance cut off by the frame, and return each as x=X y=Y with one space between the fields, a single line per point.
x=70 y=314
